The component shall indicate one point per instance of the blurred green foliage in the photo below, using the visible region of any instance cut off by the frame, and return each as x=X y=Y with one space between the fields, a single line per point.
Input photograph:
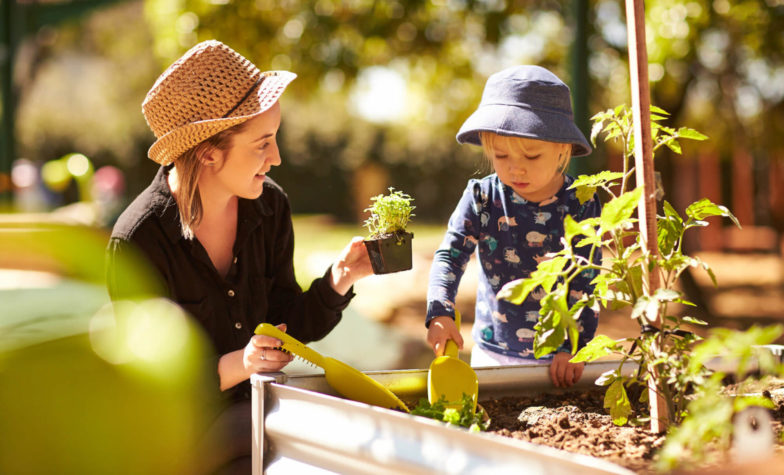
x=715 y=64
x=87 y=386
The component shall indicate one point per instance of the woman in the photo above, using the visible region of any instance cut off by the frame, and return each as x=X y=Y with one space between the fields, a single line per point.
x=218 y=230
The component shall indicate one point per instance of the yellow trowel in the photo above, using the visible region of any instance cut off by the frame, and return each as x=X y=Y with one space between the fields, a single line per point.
x=450 y=377
x=349 y=382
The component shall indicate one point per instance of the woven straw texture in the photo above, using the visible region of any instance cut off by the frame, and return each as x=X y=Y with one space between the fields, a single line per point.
x=209 y=89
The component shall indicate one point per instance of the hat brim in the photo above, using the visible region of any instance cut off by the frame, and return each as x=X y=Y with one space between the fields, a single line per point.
x=514 y=121
x=178 y=141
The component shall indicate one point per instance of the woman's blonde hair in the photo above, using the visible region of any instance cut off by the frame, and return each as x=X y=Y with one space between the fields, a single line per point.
x=188 y=168
x=489 y=139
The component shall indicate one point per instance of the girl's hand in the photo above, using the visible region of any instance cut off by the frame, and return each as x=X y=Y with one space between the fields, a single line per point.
x=352 y=265
x=260 y=355
x=564 y=374
x=442 y=329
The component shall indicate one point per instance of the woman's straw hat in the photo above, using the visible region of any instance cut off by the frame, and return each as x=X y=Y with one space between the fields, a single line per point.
x=209 y=89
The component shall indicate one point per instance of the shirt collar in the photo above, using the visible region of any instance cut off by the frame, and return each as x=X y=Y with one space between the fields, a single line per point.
x=560 y=194
x=250 y=214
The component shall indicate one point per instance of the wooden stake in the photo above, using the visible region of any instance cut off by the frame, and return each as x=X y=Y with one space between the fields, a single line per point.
x=643 y=159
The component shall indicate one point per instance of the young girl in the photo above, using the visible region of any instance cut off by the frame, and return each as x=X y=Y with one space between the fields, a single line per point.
x=513 y=217
x=218 y=230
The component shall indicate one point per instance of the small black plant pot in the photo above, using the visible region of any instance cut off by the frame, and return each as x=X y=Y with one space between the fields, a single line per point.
x=390 y=253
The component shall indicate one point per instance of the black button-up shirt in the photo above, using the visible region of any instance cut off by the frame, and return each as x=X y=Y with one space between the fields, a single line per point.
x=259 y=287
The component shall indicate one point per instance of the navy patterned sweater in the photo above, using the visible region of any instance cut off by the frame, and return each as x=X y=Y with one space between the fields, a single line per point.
x=511 y=235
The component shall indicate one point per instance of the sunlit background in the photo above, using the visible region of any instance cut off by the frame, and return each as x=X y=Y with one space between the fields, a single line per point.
x=383 y=87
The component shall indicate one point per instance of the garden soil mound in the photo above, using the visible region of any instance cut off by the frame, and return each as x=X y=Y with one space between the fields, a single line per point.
x=577 y=422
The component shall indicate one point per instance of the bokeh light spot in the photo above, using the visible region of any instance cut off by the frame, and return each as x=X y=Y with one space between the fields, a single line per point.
x=55 y=175
x=78 y=165
x=24 y=174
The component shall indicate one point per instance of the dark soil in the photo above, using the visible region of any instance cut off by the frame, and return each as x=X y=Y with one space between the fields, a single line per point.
x=577 y=422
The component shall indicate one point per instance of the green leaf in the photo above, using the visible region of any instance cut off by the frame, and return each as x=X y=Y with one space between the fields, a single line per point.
x=464 y=415
x=607 y=378
x=617 y=402
x=516 y=291
x=647 y=308
x=613 y=132
x=694 y=321
x=599 y=346
x=596 y=129
x=549 y=341
x=550 y=270
x=619 y=210
x=451 y=416
x=709 y=271
x=687 y=133
x=670 y=229
x=659 y=110
x=586 y=227
x=673 y=145
x=666 y=295
x=704 y=208
x=603 y=178
x=574 y=337
x=585 y=193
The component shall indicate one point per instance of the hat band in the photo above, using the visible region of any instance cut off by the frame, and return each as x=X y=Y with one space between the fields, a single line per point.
x=258 y=81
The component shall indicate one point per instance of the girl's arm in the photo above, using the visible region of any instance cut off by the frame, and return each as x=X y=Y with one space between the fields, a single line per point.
x=451 y=258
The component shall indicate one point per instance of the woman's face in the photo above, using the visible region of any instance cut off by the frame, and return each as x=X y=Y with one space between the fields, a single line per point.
x=530 y=167
x=241 y=168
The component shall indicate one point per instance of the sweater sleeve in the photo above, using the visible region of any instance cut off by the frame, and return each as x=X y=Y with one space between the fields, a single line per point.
x=452 y=256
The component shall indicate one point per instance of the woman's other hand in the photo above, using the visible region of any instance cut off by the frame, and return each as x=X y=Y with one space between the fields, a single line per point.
x=261 y=354
x=563 y=373
x=440 y=330
x=352 y=265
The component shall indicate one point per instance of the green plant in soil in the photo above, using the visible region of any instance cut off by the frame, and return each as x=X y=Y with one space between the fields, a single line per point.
x=665 y=344
x=389 y=214
x=464 y=416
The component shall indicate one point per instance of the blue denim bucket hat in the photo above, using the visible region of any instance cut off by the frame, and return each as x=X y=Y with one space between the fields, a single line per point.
x=526 y=101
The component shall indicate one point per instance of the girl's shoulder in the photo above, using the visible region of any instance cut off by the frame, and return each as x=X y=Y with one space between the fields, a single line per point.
x=483 y=191
x=487 y=184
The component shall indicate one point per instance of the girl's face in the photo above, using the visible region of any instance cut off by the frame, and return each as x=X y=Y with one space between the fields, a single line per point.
x=241 y=168
x=532 y=168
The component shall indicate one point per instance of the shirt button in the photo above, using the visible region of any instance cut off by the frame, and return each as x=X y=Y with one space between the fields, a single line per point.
x=238 y=325
x=231 y=293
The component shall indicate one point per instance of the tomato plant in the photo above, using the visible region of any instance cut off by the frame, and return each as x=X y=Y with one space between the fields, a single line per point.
x=665 y=351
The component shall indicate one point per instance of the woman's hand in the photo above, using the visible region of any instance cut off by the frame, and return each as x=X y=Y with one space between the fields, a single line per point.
x=352 y=265
x=563 y=373
x=440 y=330
x=261 y=356
x=258 y=356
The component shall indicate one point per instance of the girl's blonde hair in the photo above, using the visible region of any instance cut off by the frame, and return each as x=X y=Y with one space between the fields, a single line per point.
x=489 y=139
x=188 y=168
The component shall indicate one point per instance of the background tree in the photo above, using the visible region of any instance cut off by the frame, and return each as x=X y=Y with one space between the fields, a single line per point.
x=716 y=65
